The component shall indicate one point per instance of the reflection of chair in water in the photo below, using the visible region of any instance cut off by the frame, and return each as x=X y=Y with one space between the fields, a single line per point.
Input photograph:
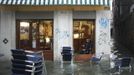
x=27 y=62
x=123 y=63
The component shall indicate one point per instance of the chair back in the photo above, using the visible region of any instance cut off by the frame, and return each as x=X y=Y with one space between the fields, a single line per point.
x=18 y=51
x=101 y=56
x=125 y=62
x=26 y=62
x=66 y=50
x=97 y=59
x=18 y=61
x=66 y=53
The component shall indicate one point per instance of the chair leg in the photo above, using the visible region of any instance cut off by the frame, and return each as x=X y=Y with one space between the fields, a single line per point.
x=119 y=70
x=130 y=68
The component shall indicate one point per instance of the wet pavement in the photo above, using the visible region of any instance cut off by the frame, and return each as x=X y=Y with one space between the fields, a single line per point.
x=72 y=68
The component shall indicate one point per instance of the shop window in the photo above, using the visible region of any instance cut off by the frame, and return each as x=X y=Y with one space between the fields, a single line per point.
x=34 y=34
x=82 y=30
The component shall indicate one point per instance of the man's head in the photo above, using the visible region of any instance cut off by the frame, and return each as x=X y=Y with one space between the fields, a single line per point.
x=87 y=40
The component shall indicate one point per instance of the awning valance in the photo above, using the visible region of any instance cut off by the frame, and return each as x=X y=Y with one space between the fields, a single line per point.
x=56 y=2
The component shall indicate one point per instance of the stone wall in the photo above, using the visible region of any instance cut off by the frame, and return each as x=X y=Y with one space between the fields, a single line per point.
x=103 y=19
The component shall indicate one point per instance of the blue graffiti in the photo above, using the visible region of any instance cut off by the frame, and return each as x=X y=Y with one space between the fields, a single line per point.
x=57 y=31
x=104 y=22
x=62 y=34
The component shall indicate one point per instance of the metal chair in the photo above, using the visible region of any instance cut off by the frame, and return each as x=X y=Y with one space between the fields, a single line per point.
x=26 y=62
x=123 y=63
x=96 y=60
x=19 y=71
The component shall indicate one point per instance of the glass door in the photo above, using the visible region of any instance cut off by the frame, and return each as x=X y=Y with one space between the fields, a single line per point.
x=83 y=31
x=42 y=35
x=24 y=35
x=35 y=35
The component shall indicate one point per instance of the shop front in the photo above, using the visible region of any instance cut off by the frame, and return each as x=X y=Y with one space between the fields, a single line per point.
x=49 y=25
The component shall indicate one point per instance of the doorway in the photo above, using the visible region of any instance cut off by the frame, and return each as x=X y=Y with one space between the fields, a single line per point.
x=83 y=30
x=35 y=35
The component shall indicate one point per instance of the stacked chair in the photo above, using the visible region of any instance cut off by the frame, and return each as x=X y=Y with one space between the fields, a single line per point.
x=66 y=54
x=26 y=62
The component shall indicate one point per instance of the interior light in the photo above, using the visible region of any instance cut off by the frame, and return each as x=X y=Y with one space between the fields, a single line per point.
x=76 y=35
x=47 y=39
x=24 y=24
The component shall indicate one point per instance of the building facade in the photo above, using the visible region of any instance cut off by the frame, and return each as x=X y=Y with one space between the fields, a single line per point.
x=123 y=26
x=49 y=25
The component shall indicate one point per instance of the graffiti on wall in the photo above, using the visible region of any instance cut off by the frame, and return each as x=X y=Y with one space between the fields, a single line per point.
x=103 y=35
x=62 y=34
x=103 y=22
x=102 y=38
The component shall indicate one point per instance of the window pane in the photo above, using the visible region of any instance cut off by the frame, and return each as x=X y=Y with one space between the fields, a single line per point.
x=24 y=31
x=34 y=34
x=24 y=34
x=45 y=34
x=83 y=29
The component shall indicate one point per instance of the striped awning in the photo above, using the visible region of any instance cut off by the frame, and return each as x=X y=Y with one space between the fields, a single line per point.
x=55 y=2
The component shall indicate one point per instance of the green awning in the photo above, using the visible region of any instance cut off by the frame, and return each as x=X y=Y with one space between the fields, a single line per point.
x=55 y=2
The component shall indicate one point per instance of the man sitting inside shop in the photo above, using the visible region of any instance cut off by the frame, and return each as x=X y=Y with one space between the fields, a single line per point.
x=87 y=47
